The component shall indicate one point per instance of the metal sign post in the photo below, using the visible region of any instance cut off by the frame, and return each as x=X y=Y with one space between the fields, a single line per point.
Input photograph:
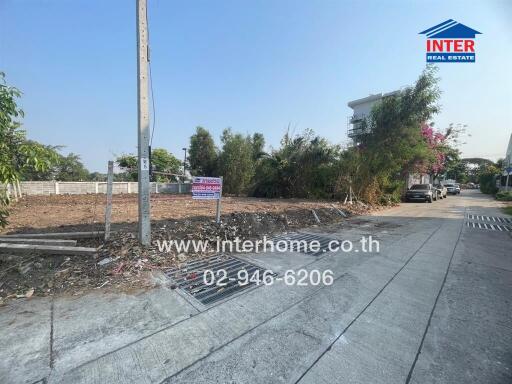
x=208 y=188
x=217 y=216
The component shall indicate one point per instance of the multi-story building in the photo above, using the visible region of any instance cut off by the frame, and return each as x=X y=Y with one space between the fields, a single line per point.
x=356 y=127
x=506 y=172
x=362 y=108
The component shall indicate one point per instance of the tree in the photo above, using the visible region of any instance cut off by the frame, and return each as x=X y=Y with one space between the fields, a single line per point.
x=164 y=161
x=70 y=168
x=97 y=176
x=393 y=145
x=202 y=153
x=161 y=161
x=48 y=173
x=456 y=169
x=304 y=166
x=17 y=154
x=236 y=162
x=487 y=178
x=128 y=165
x=258 y=145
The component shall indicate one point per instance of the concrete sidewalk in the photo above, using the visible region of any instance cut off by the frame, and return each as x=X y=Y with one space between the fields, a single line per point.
x=432 y=306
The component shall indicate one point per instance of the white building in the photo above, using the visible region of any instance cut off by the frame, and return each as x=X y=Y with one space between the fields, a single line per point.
x=362 y=108
x=507 y=162
x=506 y=176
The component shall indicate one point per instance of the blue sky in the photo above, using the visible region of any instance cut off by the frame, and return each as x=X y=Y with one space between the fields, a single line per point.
x=255 y=66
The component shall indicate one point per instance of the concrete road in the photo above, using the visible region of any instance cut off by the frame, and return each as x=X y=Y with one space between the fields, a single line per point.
x=432 y=305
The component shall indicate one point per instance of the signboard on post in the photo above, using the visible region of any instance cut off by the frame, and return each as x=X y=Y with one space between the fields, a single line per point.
x=208 y=188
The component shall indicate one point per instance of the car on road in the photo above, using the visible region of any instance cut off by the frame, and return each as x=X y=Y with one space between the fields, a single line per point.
x=442 y=191
x=421 y=192
x=453 y=189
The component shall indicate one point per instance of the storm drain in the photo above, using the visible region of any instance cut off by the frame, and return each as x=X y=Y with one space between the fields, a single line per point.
x=215 y=278
x=302 y=242
x=493 y=219
x=489 y=226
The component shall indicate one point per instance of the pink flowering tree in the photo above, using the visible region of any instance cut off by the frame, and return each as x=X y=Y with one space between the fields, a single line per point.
x=436 y=142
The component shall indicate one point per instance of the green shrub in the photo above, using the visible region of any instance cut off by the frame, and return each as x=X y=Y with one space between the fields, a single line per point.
x=488 y=183
x=504 y=196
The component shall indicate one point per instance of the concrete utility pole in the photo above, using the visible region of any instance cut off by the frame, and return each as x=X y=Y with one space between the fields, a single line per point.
x=184 y=161
x=143 y=124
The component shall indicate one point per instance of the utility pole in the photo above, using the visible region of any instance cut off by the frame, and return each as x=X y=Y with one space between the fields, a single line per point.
x=184 y=161
x=143 y=123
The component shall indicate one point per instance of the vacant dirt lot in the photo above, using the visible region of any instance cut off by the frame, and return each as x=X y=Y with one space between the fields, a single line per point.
x=122 y=263
x=86 y=212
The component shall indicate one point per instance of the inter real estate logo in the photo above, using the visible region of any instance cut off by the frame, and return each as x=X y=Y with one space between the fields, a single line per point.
x=450 y=42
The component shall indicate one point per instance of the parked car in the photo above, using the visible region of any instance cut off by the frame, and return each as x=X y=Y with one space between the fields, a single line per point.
x=442 y=191
x=421 y=192
x=454 y=189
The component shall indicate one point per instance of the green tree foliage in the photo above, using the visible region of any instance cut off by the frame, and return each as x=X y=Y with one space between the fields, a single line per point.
x=164 y=161
x=17 y=154
x=98 y=176
x=202 y=156
x=128 y=165
x=161 y=161
x=258 y=146
x=487 y=178
x=236 y=162
x=473 y=168
x=304 y=166
x=71 y=168
x=393 y=145
x=66 y=168
x=457 y=169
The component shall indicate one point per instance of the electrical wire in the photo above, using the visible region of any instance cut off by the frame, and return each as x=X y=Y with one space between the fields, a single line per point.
x=153 y=105
x=153 y=122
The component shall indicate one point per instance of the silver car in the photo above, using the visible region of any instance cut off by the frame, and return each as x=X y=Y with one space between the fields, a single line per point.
x=421 y=192
x=453 y=189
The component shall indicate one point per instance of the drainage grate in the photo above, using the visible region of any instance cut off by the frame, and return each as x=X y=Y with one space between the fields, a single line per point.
x=190 y=277
x=492 y=219
x=489 y=226
x=307 y=238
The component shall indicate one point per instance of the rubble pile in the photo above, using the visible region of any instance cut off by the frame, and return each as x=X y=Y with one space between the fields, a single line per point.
x=123 y=263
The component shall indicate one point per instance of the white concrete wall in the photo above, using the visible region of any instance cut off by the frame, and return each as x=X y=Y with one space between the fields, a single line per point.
x=86 y=187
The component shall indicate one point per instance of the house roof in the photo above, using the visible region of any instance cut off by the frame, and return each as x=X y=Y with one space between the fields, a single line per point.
x=450 y=29
x=365 y=100
x=370 y=98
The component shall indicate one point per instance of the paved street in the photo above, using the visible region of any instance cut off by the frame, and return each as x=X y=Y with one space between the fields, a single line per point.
x=433 y=306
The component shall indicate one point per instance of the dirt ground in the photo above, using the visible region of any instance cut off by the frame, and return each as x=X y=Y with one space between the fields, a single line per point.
x=121 y=263
x=86 y=212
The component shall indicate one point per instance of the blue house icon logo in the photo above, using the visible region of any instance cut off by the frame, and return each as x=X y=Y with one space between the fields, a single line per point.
x=450 y=42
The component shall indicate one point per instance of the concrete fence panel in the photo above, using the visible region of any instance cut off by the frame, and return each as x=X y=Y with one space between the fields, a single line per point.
x=92 y=187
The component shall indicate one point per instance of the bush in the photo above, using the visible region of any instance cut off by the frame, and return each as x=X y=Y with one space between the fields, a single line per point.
x=389 y=199
x=504 y=196
x=488 y=183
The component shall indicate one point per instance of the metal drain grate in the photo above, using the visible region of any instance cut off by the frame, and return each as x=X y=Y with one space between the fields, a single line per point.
x=492 y=219
x=190 y=277
x=305 y=237
x=489 y=226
